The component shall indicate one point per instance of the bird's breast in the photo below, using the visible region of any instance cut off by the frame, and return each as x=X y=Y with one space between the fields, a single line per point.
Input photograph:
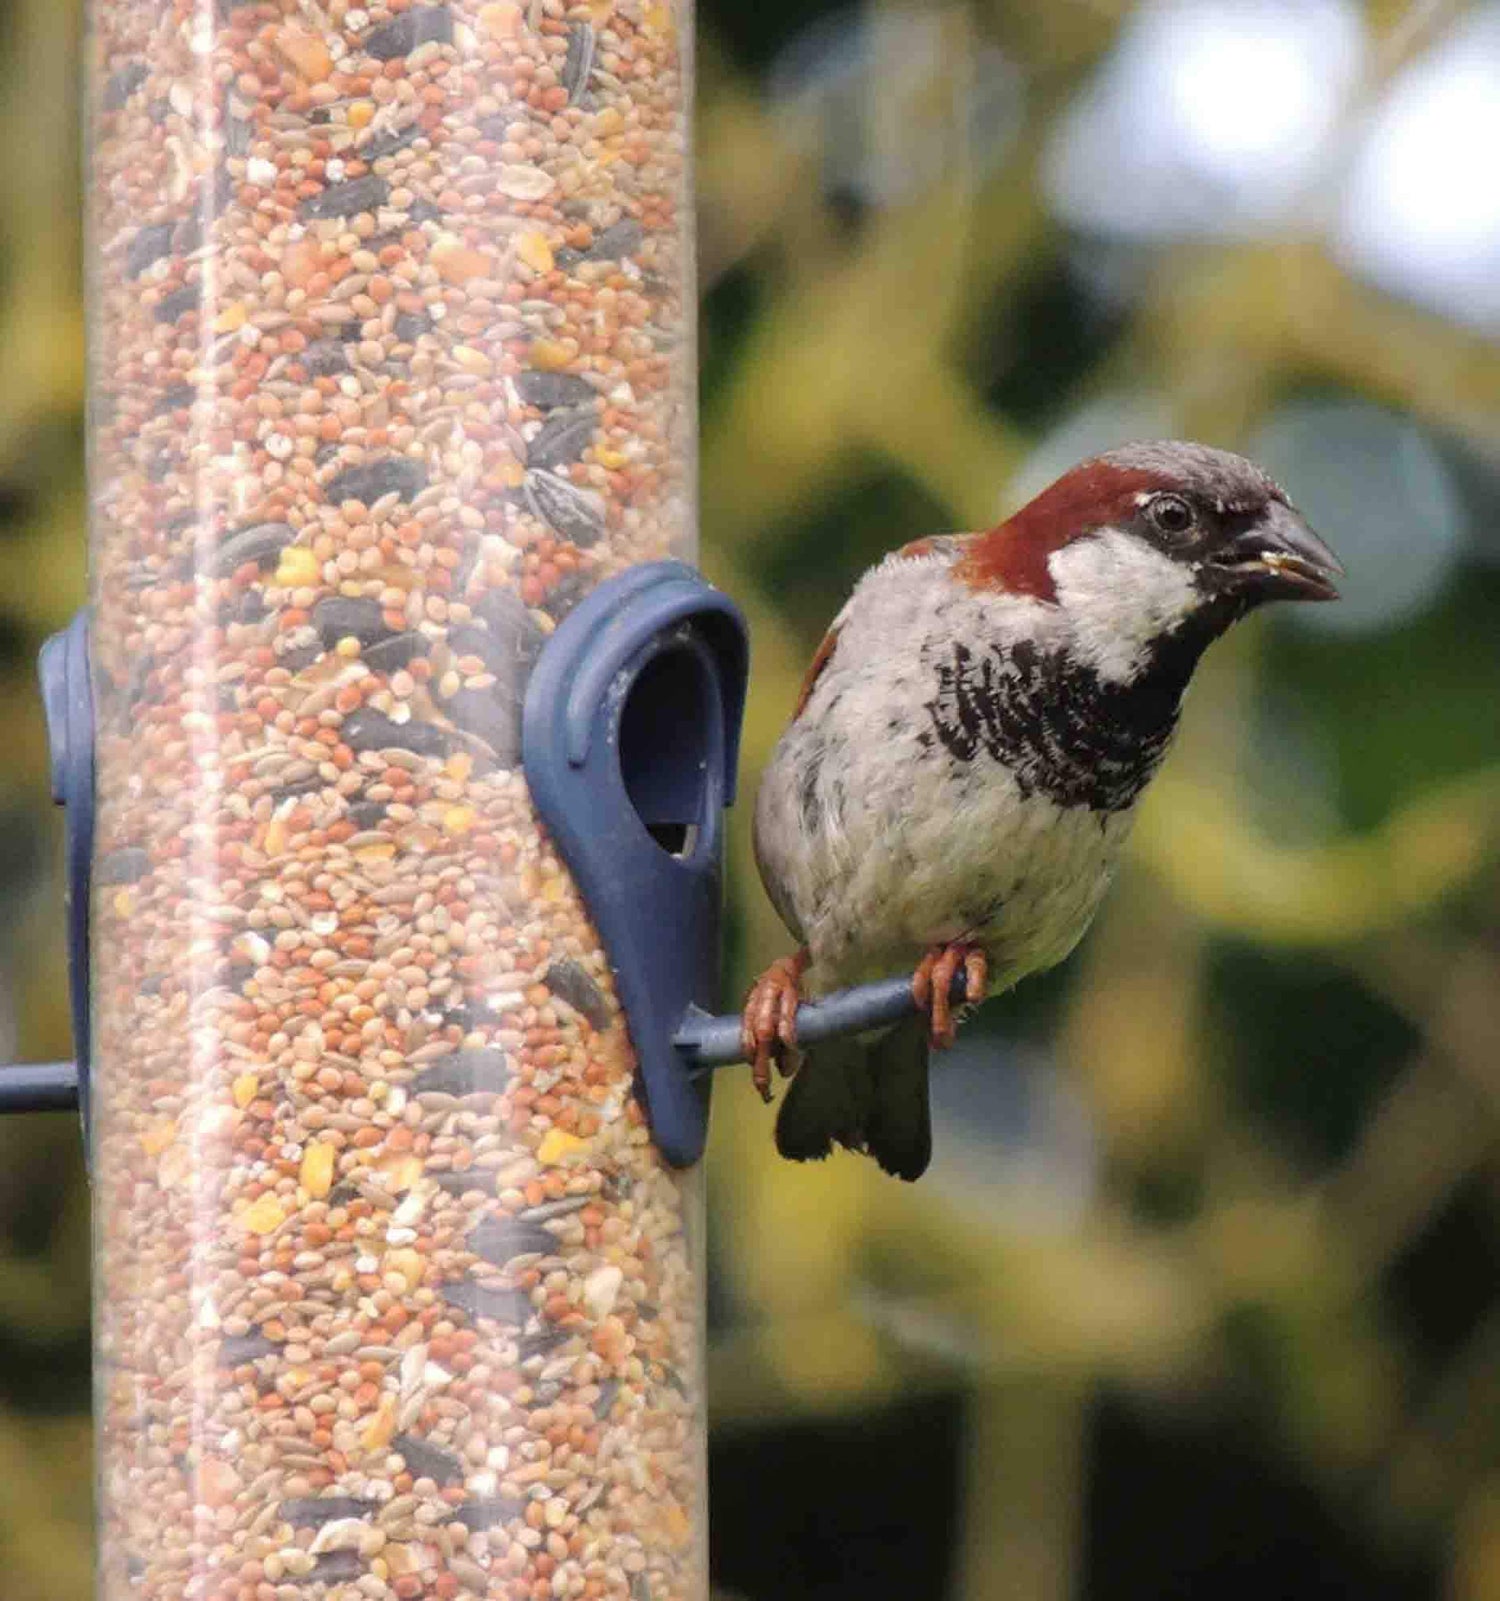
x=1063 y=732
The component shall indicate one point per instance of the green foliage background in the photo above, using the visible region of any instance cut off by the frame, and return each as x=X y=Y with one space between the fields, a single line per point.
x=1283 y=1034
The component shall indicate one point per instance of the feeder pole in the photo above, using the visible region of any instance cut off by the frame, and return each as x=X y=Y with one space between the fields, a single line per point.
x=391 y=339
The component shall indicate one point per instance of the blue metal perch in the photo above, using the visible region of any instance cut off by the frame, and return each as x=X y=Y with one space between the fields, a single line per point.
x=703 y=1041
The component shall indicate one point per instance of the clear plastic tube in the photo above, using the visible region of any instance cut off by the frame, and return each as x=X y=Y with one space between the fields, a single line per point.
x=391 y=359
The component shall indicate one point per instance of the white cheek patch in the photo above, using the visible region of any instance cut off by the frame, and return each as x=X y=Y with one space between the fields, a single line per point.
x=1119 y=595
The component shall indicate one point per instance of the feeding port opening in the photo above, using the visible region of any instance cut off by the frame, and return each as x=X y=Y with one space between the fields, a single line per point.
x=667 y=742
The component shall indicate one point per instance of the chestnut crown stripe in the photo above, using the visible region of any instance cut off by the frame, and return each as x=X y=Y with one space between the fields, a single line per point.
x=1014 y=556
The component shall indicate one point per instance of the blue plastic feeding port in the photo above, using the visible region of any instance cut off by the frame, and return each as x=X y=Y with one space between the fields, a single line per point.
x=630 y=740
x=67 y=696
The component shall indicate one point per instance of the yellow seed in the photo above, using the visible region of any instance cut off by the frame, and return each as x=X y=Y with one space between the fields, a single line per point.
x=275 y=840
x=304 y=53
x=360 y=113
x=123 y=903
x=600 y=11
x=459 y=765
x=613 y=459
x=383 y=851
x=458 y=820
x=265 y=1215
x=298 y=566
x=549 y=354
x=472 y=360
x=557 y=1144
x=381 y=1427
x=609 y=121
x=396 y=577
x=675 y=1524
x=657 y=18
x=348 y=647
x=533 y=249
x=316 y=1172
x=231 y=319
x=401 y=1170
x=245 y=1087
x=501 y=21
x=408 y=1263
x=512 y=474
x=159 y=1136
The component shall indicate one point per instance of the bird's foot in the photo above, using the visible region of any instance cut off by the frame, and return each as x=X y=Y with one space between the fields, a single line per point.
x=768 y=1025
x=932 y=986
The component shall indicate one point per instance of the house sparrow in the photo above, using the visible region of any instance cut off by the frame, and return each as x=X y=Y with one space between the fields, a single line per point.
x=965 y=758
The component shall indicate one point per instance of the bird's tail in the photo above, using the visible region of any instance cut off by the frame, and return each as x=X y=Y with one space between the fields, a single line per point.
x=868 y=1094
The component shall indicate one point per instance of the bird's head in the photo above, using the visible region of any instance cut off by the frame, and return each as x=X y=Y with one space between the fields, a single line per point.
x=1155 y=539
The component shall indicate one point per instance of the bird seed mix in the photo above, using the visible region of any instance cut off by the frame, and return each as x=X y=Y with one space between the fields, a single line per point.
x=391 y=361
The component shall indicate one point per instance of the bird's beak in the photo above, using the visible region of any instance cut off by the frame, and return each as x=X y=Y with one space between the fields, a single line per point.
x=1281 y=558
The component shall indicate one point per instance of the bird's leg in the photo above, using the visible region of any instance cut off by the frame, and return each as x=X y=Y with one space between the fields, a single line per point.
x=768 y=1026
x=932 y=986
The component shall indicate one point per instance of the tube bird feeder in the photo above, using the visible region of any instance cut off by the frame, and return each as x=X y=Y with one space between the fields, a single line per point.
x=391 y=366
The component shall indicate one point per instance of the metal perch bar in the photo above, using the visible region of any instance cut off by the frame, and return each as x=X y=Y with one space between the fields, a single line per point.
x=706 y=1042
x=703 y=1041
x=39 y=1087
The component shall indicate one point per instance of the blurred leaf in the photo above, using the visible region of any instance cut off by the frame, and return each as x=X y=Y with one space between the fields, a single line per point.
x=1309 y=1050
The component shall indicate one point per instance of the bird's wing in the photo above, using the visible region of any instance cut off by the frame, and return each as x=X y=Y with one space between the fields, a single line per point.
x=821 y=658
x=942 y=547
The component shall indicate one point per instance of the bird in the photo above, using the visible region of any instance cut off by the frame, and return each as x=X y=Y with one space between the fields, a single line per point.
x=971 y=740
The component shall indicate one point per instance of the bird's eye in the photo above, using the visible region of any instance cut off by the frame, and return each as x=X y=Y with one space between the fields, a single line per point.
x=1172 y=514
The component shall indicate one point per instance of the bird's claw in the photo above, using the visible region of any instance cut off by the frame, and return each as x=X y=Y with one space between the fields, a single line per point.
x=932 y=987
x=768 y=1025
